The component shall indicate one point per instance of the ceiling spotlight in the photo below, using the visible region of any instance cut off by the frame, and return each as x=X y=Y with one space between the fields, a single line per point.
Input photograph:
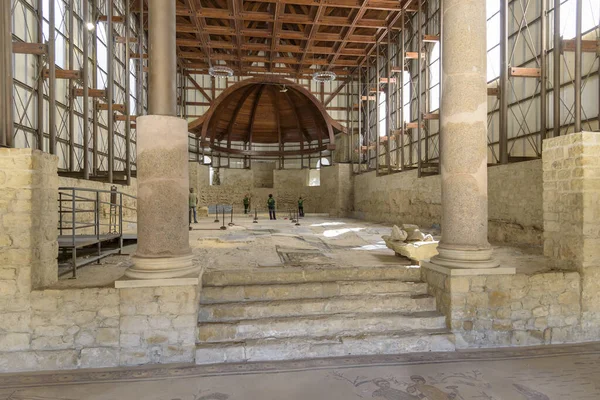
x=283 y=89
x=324 y=76
x=220 y=71
x=90 y=26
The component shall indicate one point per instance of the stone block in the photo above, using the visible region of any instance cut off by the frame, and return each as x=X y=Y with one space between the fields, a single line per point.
x=129 y=340
x=107 y=337
x=14 y=341
x=99 y=357
x=134 y=324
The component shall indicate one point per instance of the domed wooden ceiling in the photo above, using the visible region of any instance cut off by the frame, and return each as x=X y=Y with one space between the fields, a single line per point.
x=267 y=111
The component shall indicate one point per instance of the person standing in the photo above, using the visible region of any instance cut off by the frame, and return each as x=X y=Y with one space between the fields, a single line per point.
x=193 y=203
x=301 y=207
x=246 y=203
x=271 y=206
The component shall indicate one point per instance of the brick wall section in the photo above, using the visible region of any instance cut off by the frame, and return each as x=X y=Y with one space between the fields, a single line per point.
x=510 y=310
x=514 y=195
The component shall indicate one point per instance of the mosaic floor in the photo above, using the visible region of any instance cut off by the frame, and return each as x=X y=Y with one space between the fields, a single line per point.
x=543 y=373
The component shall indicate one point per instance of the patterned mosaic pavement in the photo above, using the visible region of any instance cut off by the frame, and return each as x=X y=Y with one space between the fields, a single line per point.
x=542 y=373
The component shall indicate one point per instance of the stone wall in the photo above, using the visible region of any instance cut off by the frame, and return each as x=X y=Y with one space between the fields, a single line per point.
x=100 y=327
x=28 y=220
x=510 y=310
x=288 y=185
x=572 y=213
x=129 y=203
x=514 y=193
x=158 y=324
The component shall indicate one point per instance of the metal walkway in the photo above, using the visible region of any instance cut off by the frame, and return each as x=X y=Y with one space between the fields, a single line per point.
x=91 y=218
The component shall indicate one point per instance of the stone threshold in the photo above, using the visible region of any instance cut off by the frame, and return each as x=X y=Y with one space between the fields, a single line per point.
x=468 y=271
x=189 y=280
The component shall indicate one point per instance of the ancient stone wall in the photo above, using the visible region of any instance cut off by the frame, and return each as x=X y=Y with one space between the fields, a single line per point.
x=510 y=310
x=100 y=327
x=572 y=214
x=514 y=193
x=288 y=185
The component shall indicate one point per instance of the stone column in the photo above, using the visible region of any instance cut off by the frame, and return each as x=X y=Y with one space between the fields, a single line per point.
x=463 y=138
x=163 y=249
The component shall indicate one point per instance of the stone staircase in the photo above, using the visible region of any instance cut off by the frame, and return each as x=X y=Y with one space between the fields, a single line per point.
x=293 y=313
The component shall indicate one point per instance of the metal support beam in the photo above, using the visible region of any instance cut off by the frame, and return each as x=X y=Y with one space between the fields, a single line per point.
x=127 y=12
x=110 y=81
x=71 y=84
x=162 y=58
x=556 y=72
x=86 y=84
x=419 y=88
x=40 y=81
x=503 y=125
x=95 y=86
x=377 y=112
x=360 y=128
x=401 y=80
x=6 y=80
x=543 y=70
x=52 y=77
x=388 y=102
x=578 y=64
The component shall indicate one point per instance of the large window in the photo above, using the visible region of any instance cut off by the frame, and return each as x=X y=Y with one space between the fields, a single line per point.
x=590 y=17
x=434 y=78
x=493 y=39
x=59 y=35
x=406 y=90
x=382 y=113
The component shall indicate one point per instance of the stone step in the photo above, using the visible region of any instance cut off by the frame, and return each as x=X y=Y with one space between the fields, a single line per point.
x=341 y=304
x=321 y=347
x=318 y=325
x=310 y=290
x=258 y=276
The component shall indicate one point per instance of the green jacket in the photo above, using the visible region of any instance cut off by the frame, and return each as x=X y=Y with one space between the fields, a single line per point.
x=271 y=202
x=246 y=201
x=301 y=203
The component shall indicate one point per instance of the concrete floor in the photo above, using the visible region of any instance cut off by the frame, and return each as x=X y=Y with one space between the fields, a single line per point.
x=547 y=373
x=318 y=241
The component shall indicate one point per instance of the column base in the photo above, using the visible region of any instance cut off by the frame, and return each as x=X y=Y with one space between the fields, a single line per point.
x=465 y=258
x=161 y=268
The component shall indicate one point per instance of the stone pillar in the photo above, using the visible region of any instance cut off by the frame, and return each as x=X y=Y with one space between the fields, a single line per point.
x=572 y=216
x=163 y=249
x=463 y=138
x=162 y=58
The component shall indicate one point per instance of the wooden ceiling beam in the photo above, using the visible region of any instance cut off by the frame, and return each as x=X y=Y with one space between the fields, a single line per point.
x=200 y=24
x=236 y=6
x=357 y=17
x=276 y=27
x=253 y=114
x=313 y=31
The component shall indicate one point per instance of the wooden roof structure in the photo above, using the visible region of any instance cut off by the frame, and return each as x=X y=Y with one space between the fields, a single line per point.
x=290 y=37
x=267 y=110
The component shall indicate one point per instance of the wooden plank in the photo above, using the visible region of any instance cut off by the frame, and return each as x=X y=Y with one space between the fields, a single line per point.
x=398 y=69
x=587 y=46
x=412 y=125
x=431 y=38
x=91 y=92
x=116 y=107
x=370 y=98
x=115 y=19
x=525 y=72
x=495 y=91
x=123 y=39
x=63 y=74
x=385 y=80
x=413 y=55
x=137 y=55
x=125 y=117
x=431 y=116
x=29 y=48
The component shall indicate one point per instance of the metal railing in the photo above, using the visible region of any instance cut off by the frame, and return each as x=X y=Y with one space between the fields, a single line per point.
x=91 y=216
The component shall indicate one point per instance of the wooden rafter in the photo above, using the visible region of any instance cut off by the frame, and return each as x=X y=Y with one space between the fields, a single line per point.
x=253 y=114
